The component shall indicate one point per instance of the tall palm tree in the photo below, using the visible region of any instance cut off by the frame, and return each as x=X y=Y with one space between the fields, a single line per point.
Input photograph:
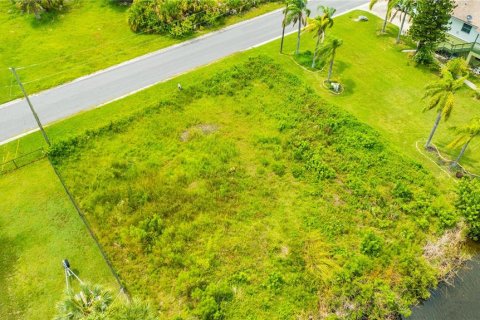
x=390 y=5
x=466 y=134
x=331 y=52
x=405 y=7
x=441 y=98
x=319 y=26
x=284 y=23
x=297 y=12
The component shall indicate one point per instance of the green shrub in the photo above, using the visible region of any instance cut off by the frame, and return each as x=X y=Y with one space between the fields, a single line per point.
x=401 y=191
x=468 y=205
x=211 y=301
x=183 y=17
x=371 y=244
x=279 y=169
x=275 y=281
x=37 y=7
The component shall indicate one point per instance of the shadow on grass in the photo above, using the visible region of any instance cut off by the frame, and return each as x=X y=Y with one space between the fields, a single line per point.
x=117 y=5
x=349 y=86
x=48 y=19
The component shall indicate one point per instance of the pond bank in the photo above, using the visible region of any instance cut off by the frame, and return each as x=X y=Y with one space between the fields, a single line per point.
x=459 y=302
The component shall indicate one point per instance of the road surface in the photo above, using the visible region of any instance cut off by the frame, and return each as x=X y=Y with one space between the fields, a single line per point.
x=128 y=77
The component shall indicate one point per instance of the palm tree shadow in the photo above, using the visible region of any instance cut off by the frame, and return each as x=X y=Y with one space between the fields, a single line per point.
x=118 y=5
x=341 y=66
x=47 y=19
x=349 y=86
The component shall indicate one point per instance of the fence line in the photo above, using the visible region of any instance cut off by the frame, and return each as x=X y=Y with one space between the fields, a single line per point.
x=123 y=289
x=22 y=161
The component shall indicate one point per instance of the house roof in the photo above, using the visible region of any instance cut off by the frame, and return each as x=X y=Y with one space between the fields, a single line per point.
x=466 y=9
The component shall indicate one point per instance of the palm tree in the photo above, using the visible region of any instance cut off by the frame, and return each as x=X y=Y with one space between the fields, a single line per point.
x=403 y=6
x=31 y=6
x=319 y=25
x=284 y=23
x=331 y=52
x=91 y=300
x=441 y=98
x=466 y=134
x=390 y=5
x=297 y=12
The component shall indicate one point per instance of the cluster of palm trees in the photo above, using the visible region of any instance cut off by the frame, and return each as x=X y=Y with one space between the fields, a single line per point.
x=297 y=12
x=441 y=98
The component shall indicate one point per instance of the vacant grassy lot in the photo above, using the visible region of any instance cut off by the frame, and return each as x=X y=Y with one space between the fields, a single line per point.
x=246 y=195
x=91 y=35
x=241 y=186
x=38 y=229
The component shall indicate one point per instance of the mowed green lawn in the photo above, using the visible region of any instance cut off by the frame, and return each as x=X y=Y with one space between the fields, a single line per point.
x=38 y=229
x=89 y=36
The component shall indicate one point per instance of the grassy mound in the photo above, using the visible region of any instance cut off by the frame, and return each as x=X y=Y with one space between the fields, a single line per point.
x=290 y=207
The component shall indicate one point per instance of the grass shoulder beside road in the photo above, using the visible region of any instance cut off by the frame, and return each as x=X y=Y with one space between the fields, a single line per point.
x=90 y=36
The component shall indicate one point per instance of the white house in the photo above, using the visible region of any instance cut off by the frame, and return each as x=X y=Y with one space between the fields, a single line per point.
x=465 y=22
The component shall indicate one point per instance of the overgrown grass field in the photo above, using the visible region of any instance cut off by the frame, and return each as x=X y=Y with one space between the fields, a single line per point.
x=236 y=206
x=249 y=196
x=38 y=229
x=88 y=36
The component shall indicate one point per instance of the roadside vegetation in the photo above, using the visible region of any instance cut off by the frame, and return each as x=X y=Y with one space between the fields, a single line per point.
x=183 y=17
x=224 y=200
x=82 y=37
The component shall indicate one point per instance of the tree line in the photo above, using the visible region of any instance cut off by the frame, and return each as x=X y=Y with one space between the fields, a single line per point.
x=183 y=17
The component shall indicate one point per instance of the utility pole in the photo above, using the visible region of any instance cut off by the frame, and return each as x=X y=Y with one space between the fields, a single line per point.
x=30 y=105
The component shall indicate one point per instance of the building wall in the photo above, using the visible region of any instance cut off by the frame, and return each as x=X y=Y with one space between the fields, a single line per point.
x=456 y=31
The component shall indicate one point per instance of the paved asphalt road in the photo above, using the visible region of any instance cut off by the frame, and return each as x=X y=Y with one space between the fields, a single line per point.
x=112 y=83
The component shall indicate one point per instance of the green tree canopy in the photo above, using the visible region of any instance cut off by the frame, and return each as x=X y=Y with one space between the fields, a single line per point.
x=297 y=13
x=319 y=25
x=429 y=27
x=440 y=95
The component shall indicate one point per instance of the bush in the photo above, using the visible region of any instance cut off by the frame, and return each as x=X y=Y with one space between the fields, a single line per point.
x=424 y=56
x=211 y=301
x=37 y=7
x=468 y=205
x=182 y=17
x=371 y=245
